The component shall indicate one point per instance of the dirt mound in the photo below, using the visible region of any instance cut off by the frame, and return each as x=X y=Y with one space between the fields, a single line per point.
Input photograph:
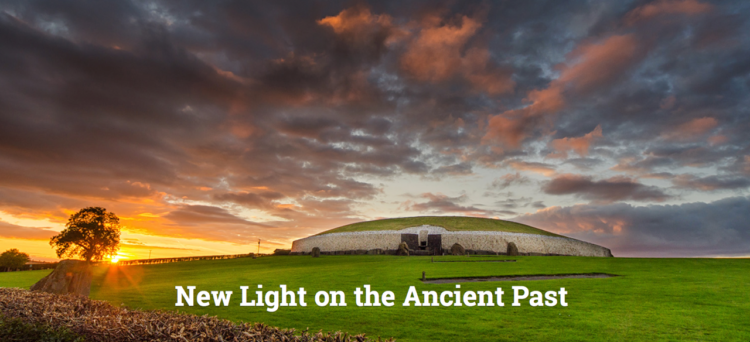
x=70 y=276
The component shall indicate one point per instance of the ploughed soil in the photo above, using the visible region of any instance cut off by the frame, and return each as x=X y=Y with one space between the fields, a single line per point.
x=516 y=278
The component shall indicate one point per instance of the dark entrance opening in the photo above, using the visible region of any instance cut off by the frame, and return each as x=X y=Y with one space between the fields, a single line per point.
x=412 y=240
x=435 y=241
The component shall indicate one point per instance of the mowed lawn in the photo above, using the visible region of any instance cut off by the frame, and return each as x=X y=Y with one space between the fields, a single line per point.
x=651 y=299
x=22 y=279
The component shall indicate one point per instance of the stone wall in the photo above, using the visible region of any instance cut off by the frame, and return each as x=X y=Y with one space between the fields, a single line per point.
x=490 y=241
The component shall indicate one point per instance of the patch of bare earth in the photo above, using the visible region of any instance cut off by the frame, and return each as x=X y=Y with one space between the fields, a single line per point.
x=516 y=278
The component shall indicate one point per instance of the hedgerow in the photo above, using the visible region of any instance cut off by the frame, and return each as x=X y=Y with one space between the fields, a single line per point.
x=96 y=320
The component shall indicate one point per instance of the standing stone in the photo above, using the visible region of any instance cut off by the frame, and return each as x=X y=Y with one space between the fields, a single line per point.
x=512 y=248
x=315 y=252
x=403 y=249
x=457 y=249
x=70 y=276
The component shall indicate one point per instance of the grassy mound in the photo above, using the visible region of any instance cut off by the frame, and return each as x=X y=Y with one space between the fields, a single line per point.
x=452 y=223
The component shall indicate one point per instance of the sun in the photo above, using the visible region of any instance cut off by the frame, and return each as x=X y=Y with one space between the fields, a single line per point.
x=116 y=258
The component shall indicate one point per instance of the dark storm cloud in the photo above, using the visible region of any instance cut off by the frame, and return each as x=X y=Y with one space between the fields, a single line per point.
x=440 y=204
x=605 y=190
x=252 y=200
x=200 y=214
x=692 y=230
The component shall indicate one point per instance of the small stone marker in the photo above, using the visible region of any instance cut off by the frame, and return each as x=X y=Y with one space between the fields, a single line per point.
x=457 y=249
x=512 y=248
x=403 y=249
x=422 y=275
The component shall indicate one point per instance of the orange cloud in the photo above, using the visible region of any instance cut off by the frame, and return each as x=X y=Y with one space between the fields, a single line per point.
x=540 y=168
x=435 y=55
x=589 y=66
x=356 y=20
x=435 y=51
x=512 y=127
x=479 y=72
x=579 y=144
x=596 y=64
x=661 y=7
x=717 y=139
x=692 y=129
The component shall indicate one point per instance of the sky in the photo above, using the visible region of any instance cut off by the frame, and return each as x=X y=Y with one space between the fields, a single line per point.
x=208 y=125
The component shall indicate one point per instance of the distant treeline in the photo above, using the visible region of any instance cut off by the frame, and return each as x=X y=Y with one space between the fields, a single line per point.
x=30 y=267
x=191 y=258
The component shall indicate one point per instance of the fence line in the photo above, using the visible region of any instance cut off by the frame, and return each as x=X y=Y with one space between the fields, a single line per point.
x=178 y=259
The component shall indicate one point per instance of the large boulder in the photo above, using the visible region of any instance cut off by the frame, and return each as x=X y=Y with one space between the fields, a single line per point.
x=403 y=249
x=457 y=249
x=315 y=252
x=70 y=276
x=512 y=248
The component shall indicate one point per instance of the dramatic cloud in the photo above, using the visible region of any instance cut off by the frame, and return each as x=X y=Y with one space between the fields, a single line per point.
x=442 y=204
x=578 y=144
x=12 y=231
x=693 y=129
x=689 y=230
x=209 y=125
x=589 y=66
x=663 y=7
x=613 y=189
x=200 y=214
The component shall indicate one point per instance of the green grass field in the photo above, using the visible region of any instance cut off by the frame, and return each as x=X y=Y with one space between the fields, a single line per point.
x=453 y=223
x=22 y=279
x=651 y=299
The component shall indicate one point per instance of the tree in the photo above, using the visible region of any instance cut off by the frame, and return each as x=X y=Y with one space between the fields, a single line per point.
x=92 y=233
x=13 y=259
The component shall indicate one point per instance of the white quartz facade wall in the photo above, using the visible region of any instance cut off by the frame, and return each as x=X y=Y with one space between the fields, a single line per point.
x=471 y=240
